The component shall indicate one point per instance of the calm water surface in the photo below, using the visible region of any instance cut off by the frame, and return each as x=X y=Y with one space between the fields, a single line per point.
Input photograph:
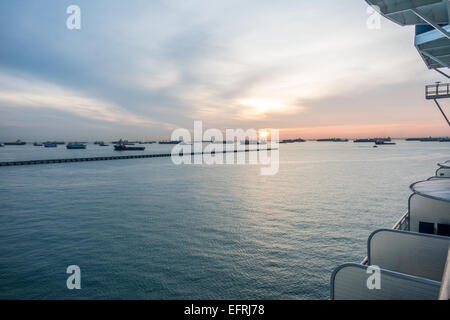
x=148 y=229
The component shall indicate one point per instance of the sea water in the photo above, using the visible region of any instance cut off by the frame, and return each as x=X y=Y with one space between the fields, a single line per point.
x=149 y=229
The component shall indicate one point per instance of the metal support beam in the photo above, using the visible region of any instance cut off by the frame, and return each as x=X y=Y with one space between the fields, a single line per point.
x=442 y=63
x=442 y=111
x=401 y=6
x=431 y=23
x=441 y=72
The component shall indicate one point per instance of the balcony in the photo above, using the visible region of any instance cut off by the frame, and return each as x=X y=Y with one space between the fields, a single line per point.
x=413 y=258
x=437 y=91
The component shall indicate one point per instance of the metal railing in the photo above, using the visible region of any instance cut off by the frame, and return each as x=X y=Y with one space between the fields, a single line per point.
x=403 y=222
x=438 y=90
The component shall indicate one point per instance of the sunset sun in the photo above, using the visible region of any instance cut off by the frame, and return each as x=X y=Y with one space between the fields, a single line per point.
x=263 y=134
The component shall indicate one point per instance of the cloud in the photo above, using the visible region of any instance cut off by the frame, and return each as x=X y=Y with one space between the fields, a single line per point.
x=163 y=64
x=22 y=93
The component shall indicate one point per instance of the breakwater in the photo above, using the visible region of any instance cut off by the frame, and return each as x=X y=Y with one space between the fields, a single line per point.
x=104 y=158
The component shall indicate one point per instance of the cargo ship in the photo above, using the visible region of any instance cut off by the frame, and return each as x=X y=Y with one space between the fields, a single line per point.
x=17 y=143
x=381 y=142
x=50 y=145
x=75 y=145
x=121 y=146
x=332 y=140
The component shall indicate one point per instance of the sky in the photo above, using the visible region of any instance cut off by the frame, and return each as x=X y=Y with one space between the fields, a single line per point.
x=141 y=69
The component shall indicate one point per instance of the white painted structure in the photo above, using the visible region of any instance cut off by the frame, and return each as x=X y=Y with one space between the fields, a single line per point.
x=412 y=265
x=349 y=282
x=417 y=254
x=413 y=260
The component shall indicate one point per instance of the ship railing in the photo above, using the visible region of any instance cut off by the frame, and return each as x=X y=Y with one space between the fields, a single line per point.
x=401 y=224
x=437 y=91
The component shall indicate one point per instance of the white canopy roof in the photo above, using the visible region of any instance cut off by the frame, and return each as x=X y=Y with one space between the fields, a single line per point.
x=438 y=189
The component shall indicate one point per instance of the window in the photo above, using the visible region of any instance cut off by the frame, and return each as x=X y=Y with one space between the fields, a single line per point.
x=443 y=229
x=426 y=227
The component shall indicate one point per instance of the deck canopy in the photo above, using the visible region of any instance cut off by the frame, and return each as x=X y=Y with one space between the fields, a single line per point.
x=402 y=11
x=434 y=189
x=431 y=19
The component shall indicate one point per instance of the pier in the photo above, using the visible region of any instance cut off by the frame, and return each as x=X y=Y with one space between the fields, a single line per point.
x=134 y=156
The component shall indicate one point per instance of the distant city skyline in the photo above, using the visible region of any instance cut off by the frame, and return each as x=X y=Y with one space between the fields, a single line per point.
x=141 y=69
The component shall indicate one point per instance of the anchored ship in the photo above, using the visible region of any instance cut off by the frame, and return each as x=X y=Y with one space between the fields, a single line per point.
x=253 y=142
x=50 y=145
x=411 y=260
x=16 y=143
x=372 y=140
x=75 y=145
x=332 y=140
x=381 y=142
x=121 y=146
x=292 y=140
x=171 y=142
